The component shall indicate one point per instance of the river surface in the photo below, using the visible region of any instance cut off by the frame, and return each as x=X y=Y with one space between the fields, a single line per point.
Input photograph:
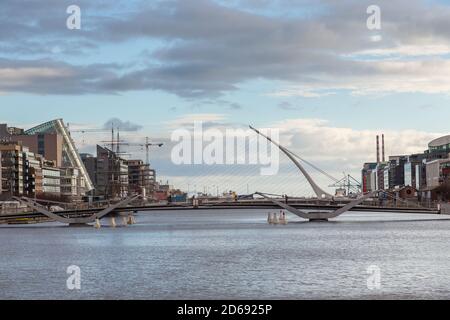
x=231 y=255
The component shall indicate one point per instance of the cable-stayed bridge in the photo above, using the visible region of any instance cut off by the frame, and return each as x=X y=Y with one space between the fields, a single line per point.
x=321 y=208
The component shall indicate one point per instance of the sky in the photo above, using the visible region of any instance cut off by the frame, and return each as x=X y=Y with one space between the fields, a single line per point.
x=312 y=69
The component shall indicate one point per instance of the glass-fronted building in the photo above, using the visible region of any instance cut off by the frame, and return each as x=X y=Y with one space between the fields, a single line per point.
x=70 y=155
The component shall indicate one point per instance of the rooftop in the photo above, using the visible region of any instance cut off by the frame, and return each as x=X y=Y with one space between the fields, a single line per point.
x=445 y=140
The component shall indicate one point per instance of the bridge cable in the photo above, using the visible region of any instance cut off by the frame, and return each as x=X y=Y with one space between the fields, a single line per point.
x=313 y=166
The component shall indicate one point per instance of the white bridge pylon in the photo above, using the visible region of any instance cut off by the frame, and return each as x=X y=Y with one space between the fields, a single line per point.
x=320 y=193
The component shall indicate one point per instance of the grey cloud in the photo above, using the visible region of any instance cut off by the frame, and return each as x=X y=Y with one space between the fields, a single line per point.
x=285 y=105
x=122 y=125
x=211 y=47
x=46 y=76
x=220 y=103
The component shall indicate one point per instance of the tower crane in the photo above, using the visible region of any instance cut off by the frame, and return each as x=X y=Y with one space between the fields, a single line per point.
x=147 y=146
x=116 y=143
x=84 y=131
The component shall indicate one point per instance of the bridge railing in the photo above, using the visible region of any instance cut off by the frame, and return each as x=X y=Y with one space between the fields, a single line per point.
x=402 y=203
x=14 y=210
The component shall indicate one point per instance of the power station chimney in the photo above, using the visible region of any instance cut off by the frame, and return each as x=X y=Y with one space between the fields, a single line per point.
x=378 y=149
x=382 y=147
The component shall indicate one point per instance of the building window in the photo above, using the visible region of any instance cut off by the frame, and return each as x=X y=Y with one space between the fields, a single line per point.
x=41 y=144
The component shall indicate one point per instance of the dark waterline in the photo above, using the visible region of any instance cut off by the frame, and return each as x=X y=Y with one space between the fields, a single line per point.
x=230 y=255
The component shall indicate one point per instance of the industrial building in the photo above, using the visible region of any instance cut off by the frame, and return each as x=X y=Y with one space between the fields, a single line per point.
x=420 y=175
x=373 y=173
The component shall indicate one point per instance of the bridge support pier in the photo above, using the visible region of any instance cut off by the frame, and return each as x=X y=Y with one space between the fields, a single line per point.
x=113 y=222
x=318 y=217
x=131 y=219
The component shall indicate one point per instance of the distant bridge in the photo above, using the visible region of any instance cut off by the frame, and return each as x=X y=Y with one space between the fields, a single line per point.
x=74 y=217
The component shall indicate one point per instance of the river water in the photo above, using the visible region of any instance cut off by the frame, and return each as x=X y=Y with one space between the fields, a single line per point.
x=231 y=255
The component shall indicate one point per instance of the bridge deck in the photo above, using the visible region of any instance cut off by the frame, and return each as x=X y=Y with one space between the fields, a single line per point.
x=262 y=205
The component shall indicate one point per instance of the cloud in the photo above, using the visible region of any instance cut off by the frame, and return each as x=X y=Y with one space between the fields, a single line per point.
x=207 y=48
x=406 y=51
x=122 y=125
x=220 y=103
x=46 y=76
x=286 y=105
x=188 y=120
x=346 y=149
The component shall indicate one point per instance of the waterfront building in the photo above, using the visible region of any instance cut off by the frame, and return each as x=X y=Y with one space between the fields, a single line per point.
x=90 y=163
x=397 y=171
x=380 y=175
x=437 y=172
x=51 y=179
x=160 y=195
x=367 y=176
x=432 y=173
x=109 y=172
x=386 y=172
x=440 y=146
x=420 y=175
x=406 y=192
x=52 y=141
x=140 y=177
x=163 y=191
x=409 y=174
x=73 y=186
x=32 y=173
x=6 y=131
x=112 y=174
x=164 y=187
x=24 y=173
x=49 y=145
x=414 y=171
x=70 y=158
x=12 y=177
x=373 y=180
x=425 y=172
